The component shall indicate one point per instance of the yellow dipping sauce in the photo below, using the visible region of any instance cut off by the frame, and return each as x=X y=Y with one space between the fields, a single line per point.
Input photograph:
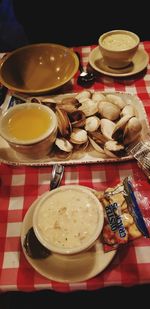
x=28 y=123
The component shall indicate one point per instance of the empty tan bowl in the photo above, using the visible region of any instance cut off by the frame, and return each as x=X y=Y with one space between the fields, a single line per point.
x=38 y=68
x=69 y=219
x=118 y=47
x=30 y=129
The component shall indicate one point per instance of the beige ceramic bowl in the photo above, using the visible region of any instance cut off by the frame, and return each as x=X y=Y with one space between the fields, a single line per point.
x=68 y=220
x=30 y=129
x=38 y=68
x=118 y=47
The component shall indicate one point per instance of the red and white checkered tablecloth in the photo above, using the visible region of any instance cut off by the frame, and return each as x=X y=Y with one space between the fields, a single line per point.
x=20 y=186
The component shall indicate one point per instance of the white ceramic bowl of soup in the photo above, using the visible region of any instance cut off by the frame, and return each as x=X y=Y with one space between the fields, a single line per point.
x=30 y=129
x=68 y=219
x=118 y=47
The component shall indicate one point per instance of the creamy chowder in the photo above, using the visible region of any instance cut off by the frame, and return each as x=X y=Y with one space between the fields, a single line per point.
x=69 y=218
x=118 y=41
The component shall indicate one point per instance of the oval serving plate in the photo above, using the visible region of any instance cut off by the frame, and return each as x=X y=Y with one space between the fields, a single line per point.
x=9 y=156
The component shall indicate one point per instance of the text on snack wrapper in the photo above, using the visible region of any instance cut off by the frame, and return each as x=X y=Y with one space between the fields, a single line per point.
x=115 y=220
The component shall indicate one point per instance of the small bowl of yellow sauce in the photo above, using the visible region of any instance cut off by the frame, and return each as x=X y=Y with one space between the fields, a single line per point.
x=30 y=129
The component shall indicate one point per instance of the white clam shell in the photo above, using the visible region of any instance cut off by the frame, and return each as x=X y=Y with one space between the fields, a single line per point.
x=132 y=130
x=92 y=123
x=128 y=110
x=48 y=100
x=133 y=126
x=98 y=96
x=89 y=107
x=129 y=139
x=78 y=136
x=116 y=99
x=69 y=104
x=98 y=137
x=107 y=128
x=63 y=144
x=64 y=125
x=96 y=146
x=109 y=153
x=121 y=123
x=113 y=146
x=108 y=110
x=83 y=95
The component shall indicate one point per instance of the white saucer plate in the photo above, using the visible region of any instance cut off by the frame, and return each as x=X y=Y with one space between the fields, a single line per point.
x=139 y=63
x=67 y=269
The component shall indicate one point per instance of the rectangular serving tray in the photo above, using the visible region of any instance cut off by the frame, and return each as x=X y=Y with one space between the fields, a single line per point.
x=9 y=156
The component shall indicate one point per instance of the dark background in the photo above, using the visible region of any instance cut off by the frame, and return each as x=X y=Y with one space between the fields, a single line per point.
x=70 y=23
x=108 y=297
x=74 y=23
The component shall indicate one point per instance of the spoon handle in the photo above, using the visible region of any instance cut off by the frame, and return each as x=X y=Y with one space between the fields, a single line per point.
x=57 y=174
x=80 y=65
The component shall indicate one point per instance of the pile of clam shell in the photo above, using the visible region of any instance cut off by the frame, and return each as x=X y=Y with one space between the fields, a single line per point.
x=104 y=121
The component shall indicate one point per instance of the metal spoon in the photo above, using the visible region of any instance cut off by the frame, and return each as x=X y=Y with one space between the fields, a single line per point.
x=85 y=79
x=57 y=174
x=33 y=247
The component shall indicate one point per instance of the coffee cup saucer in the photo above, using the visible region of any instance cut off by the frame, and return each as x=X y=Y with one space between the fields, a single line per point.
x=139 y=63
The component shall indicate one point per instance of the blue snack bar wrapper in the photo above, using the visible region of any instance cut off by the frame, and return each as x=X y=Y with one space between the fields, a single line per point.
x=134 y=208
x=124 y=220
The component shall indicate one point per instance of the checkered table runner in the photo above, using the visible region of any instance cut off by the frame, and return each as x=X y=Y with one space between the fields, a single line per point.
x=20 y=186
